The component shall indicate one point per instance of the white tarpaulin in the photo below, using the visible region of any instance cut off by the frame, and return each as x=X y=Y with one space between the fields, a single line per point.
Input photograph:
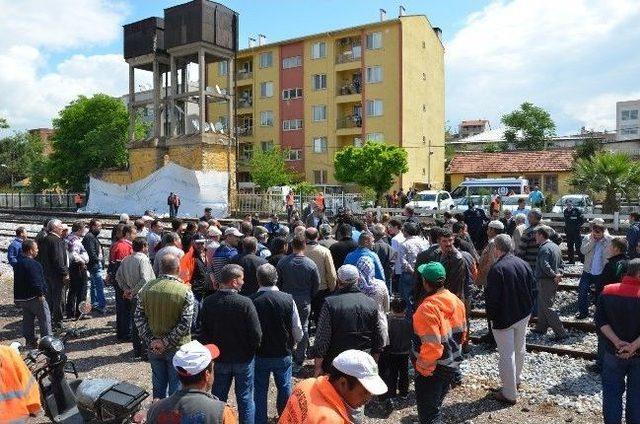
x=197 y=190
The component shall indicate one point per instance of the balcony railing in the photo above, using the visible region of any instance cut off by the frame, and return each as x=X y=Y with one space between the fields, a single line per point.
x=243 y=75
x=350 y=87
x=348 y=56
x=349 y=121
x=244 y=130
x=244 y=103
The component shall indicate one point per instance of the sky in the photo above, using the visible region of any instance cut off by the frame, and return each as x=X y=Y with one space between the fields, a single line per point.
x=575 y=58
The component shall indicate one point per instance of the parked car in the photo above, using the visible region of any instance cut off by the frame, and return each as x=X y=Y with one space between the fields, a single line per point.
x=511 y=202
x=482 y=202
x=432 y=200
x=580 y=201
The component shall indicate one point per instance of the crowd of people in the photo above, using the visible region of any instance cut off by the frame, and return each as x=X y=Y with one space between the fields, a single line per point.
x=370 y=300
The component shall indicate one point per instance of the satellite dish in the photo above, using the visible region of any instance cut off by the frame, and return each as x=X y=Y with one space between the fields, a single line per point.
x=218 y=126
x=207 y=128
x=218 y=90
x=195 y=124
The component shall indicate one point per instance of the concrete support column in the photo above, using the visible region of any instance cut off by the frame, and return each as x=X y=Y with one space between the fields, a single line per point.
x=202 y=68
x=157 y=114
x=132 y=99
x=173 y=127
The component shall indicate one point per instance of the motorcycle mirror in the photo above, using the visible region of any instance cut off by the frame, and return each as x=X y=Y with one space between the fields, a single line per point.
x=84 y=308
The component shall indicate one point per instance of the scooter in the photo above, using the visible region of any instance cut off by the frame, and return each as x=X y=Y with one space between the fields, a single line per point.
x=79 y=401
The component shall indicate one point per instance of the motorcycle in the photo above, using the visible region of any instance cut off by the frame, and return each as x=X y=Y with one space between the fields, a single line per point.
x=79 y=401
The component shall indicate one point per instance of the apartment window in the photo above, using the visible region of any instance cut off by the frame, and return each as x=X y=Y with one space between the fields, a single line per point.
x=319 y=113
x=550 y=183
x=292 y=124
x=319 y=144
x=293 y=154
x=266 y=60
x=318 y=50
x=266 y=89
x=374 y=74
x=223 y=68
x=628 y=115
x=291 y=62
x=628 y=131
x=319 y=81
x=357 y=142
x=374 y=107
x=375 y=137
x=374 y=41
x=246 y=151
x=266 y=145
x=320 y=176
x=266 y=118
x=291 y=93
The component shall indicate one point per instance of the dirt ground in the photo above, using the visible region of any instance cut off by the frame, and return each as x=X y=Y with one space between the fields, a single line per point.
x=97 y=353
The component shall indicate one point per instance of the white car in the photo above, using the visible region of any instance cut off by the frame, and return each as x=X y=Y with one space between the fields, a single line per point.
x=511 y=202
x=432 y=200
x=580 y=201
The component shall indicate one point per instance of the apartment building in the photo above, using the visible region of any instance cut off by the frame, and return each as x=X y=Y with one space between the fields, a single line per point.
x=316 y=94
x=628 y=120
x=473 y=127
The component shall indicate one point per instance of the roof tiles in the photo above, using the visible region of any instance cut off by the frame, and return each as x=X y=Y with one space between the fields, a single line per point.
x=519 y=162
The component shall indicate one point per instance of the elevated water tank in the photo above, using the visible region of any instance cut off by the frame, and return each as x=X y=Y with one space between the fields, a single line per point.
x=201 y=21
x=144 y=37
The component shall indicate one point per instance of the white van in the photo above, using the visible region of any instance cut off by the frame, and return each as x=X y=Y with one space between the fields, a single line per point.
x=489 y=186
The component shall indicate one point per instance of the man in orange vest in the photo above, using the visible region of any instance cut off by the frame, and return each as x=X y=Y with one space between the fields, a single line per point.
x=440 y=325
x=338 y=397
x=19 y=393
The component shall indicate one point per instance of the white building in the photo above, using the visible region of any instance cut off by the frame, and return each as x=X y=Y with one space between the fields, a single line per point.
x=628 y=120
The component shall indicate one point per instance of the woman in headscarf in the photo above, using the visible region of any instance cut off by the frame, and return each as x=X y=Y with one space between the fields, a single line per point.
x=375 y=289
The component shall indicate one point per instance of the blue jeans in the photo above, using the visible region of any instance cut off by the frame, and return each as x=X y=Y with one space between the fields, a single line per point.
x=584 y=287
x=242 y=373
x=97 y=287
x=281 y=369
x=430 y=393
x=406 y=284
x=614 y=371
x=163 y=375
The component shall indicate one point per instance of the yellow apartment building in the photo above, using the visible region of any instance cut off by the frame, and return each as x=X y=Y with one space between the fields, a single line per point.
x=316 y=94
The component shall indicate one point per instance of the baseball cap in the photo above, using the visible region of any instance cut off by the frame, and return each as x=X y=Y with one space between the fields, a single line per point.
x=432 y=271
x=193 y=357
x=495 y=224
x=362 y=366
x=214 y=231
x=232 y=231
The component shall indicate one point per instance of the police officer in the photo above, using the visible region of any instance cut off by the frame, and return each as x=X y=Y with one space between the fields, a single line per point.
x=573 y=221
x=476 y=219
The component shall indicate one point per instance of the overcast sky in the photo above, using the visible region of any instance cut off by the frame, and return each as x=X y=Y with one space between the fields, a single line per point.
x=575 y=58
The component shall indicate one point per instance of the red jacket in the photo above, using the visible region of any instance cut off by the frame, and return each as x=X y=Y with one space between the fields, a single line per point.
x=120 y=250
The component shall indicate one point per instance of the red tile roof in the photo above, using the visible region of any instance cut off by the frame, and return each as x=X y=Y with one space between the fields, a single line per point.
x=555 y=160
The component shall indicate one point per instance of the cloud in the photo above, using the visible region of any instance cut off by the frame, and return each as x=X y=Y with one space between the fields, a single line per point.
x=557 y=54
x=30 y=31
x=597 y=112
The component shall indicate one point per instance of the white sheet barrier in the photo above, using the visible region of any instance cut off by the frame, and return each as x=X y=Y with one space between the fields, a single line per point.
x=197 y=190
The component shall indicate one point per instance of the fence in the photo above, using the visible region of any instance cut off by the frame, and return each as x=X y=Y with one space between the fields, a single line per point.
x=37 y=201
x=275 y=203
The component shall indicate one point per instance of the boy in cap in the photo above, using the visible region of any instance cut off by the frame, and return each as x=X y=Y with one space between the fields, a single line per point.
x=338 y=397
x=193 y=403
x=439 y=325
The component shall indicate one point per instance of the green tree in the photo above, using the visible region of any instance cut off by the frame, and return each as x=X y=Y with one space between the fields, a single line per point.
x=491 y=148
x=614 y=174
x=534 y=122
x=374 y=165
x=19 y=154
x=588 y=148
x=90 y=135
x=268 y=168
x=3 y=123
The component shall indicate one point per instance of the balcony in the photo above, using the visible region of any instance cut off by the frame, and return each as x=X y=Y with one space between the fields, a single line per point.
x=244 y=77
x=348 y=52
x=245 y=103
x=349 y=90
x=349 y=125
x=244 y=131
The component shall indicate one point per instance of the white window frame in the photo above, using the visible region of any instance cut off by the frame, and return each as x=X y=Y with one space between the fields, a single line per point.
x=266 y=122
x=266 y=89
x=319 y=144
x=265 y=143
x=321 y=79
x=292 y=124
x=223 y=68
x=323 y=114
x=293 y=155
x=291 y=62
x=262 y=60
x=376 y=137
x=323 y=176
x=318 y=50
x=374 y=108
x=373 y=74
x=374 y=40
x=291 y=93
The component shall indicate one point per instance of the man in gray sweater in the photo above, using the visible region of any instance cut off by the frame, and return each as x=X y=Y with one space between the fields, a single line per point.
x=299 y=276
x=548 y=274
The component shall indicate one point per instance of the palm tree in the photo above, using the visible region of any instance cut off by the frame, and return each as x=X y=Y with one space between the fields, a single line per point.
x=613 y=174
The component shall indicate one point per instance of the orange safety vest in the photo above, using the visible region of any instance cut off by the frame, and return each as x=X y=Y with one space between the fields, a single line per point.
x=314 y=400
x=441 y=324
x=19 y=392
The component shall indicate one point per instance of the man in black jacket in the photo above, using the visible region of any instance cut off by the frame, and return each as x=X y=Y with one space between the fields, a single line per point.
x=230 y=321
x=281 y=331
x=344 y=246
x=573 y=221
x=249 y=262
x=54 y=262
x=29 y=289
x=509 y=299
x=348 y=320
x=94 y=250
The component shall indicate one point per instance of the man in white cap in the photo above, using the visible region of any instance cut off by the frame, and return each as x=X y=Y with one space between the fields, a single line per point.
x=193 y=403
x=338 y=397
x=347 y=320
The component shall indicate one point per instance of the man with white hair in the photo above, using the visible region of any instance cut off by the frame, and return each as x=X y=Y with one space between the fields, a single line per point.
x=521 y=225
x=55 y=262
x=348 y=320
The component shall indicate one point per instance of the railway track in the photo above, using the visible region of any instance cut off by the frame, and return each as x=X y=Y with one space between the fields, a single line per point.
x=585 y=326
x=533 y=347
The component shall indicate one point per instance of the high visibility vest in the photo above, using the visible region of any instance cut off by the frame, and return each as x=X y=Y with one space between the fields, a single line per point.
x=312 y=401
x=19 y=392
